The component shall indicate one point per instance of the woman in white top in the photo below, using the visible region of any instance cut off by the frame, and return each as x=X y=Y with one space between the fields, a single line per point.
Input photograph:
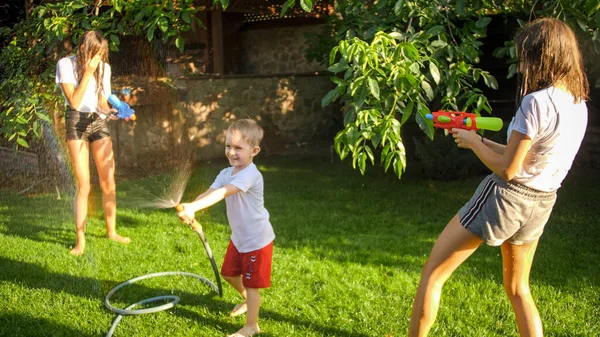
x=512 y=205
x=85 y=83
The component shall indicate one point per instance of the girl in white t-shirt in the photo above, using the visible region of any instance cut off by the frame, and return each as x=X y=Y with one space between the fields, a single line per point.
x=512 y=205
x=85 y=83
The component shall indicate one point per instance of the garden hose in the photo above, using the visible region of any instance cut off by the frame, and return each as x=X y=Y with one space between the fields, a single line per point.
x=173 y=300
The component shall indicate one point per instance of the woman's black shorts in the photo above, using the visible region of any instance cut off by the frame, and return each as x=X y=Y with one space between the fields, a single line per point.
x=86 y=126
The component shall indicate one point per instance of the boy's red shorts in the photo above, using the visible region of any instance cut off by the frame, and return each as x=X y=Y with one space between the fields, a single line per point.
x=254 y=266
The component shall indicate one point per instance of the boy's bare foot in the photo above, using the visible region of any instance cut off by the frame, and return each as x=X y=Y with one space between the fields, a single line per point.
x=246 y=331
x=78 y=250
x=239 y=310
x=119 y=238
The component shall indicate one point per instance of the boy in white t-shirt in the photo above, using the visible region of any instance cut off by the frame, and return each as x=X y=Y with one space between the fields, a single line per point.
x=247 y=263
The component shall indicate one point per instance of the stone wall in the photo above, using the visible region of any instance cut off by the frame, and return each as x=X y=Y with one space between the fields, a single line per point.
x=278 y=50
x=194 y=114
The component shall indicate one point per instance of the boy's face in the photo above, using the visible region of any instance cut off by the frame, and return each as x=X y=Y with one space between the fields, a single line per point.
x=238 y=151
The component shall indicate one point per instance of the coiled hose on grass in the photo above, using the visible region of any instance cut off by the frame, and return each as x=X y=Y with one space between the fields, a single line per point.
x=196 y=227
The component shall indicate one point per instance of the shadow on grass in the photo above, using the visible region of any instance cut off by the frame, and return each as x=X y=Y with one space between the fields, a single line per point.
x=379 y=220
x=36 y=277
x=27 y=326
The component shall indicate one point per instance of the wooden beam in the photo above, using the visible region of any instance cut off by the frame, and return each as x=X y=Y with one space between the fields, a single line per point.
x=217 y=40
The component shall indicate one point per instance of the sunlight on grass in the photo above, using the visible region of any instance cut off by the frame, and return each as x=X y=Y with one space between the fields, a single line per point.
x=347 y=259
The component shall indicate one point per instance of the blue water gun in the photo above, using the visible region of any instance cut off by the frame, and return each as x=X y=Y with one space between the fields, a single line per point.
x=123 y=109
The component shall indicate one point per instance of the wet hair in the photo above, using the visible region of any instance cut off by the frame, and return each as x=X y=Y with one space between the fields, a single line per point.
x=549 y=54
x=251 y=132
x=90 y=44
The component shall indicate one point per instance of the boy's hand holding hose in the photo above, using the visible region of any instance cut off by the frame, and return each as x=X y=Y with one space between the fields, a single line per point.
x=186 y=214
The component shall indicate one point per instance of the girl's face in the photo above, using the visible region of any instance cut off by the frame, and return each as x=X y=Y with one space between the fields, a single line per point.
x=238 y=151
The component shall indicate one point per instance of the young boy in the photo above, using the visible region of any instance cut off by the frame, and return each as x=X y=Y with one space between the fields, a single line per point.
x=247 y=263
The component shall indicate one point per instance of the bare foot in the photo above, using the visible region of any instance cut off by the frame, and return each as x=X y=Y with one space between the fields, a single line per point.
x=78 y=250
x=246 y=331
x=239 y=309
x=119 y=238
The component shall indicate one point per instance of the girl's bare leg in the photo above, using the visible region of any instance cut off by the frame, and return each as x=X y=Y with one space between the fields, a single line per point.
x=80 y=155
x=105 y=163
x=516 y=265
x=454 y=245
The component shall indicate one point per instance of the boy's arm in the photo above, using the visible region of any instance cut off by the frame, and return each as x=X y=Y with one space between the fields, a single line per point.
x=208 y=198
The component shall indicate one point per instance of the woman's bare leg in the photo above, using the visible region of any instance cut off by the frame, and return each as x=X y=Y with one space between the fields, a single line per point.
x=105 y=163
x=80 y=156
x=454 y=245
x=516 y=265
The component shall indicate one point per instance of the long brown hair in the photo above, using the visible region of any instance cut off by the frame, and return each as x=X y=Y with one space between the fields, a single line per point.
x=549 y=55
x=90 y=44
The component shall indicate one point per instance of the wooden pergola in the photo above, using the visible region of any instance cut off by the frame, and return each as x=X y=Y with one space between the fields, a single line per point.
x=257 y=13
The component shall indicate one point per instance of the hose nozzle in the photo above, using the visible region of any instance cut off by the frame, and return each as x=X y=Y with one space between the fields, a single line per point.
x=194 y=223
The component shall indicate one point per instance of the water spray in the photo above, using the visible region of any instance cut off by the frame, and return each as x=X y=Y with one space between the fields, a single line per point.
x=173 y=300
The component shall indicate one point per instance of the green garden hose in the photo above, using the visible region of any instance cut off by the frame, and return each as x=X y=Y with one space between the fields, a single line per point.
x=173 y=300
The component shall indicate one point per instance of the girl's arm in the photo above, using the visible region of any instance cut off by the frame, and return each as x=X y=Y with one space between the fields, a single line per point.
x=496 y=147
x=75 y=95
x=505 y=165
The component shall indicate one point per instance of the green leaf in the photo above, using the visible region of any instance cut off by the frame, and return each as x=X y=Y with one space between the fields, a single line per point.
x=163 y=24
x=330 y=97
x=185 y=16
x=424 y=125
x=435 y=30
x=117 y=5
x=407 y=112
x=435 y=72
x=150 y=33
x=427 y=88
x=398 y=7
x=582 y=25
x=460 y=7
x=43 y=117
x=490 y=81
x=349 y=117
x=483 y=22
x=287 y=5
x=306 y=5
x=374 y=87
x=114 y=39
x=22 y=142
x=179 y=43
x=333 y=53
x=439 y=44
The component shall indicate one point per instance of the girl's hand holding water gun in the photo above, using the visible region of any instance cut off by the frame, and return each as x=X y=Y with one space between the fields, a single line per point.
x=466 y=139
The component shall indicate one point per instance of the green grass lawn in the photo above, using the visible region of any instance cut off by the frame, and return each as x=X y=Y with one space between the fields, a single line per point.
x=347 y=259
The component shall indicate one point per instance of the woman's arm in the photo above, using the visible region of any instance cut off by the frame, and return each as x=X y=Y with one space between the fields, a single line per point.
x=507 y=164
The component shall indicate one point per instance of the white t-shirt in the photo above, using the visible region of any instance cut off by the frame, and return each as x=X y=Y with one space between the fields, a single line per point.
x=556 y=127
x=248 y=218
x=66 y=73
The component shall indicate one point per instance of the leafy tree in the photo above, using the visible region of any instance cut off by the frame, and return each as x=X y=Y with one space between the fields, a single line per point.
x=28 y=94
x=398 y=58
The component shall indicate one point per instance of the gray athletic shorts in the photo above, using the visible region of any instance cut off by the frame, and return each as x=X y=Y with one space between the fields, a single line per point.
x=87 y=126
x=506 y=211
